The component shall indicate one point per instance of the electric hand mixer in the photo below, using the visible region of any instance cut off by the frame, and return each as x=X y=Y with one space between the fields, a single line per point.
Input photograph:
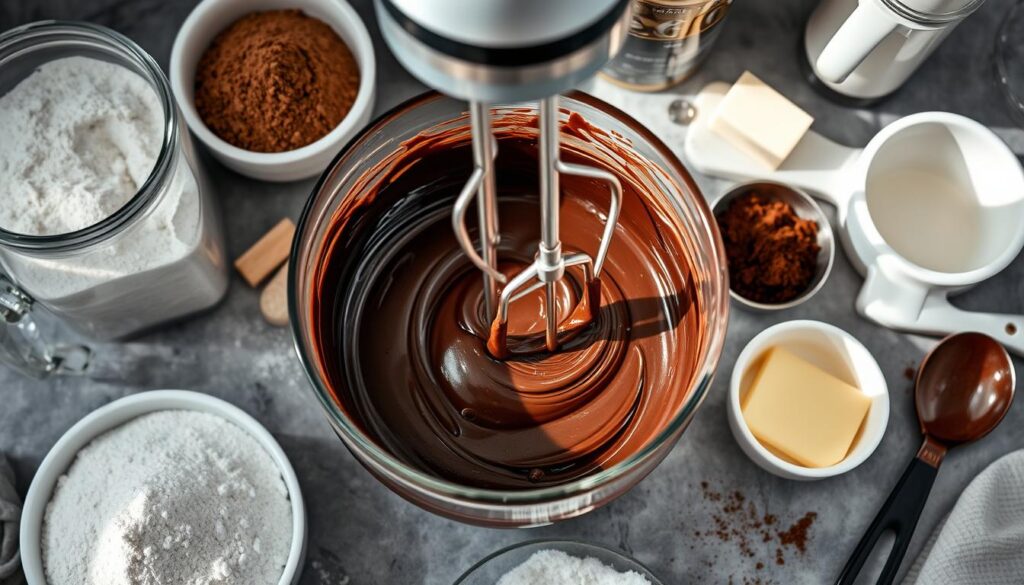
x=498 y=51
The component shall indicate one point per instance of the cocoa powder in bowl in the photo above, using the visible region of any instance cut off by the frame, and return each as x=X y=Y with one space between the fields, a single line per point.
x=771 y=251
x=275 y=81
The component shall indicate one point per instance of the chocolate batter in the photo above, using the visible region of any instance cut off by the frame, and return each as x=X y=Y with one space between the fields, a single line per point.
x=402 y=338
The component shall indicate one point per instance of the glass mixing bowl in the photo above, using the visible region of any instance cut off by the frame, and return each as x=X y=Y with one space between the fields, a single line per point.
x=344 y=191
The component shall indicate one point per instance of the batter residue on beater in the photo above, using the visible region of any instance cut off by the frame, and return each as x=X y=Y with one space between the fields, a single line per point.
x=403 y=338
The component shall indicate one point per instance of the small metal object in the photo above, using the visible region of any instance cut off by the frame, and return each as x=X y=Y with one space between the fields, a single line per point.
x=682 y=111
x=481 y=185
x=550 y=263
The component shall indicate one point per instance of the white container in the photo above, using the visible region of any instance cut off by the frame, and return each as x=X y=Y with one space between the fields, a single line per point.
x=834 y=351
x=866 y=49
x=121 y=411
x=211 y=17
x=934 y=204
x=158 y=258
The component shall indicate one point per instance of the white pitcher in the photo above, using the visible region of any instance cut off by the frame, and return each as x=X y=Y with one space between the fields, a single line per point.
x=866 y=49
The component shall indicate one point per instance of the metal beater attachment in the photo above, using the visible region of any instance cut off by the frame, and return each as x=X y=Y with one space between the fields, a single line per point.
x=550 y=263
x=481 y=184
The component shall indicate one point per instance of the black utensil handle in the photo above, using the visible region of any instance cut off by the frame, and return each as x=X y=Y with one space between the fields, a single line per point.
x=900 y=514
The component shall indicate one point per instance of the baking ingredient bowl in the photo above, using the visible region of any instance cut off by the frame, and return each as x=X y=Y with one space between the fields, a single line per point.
x=834 y=351
x=339 y=222
x=489 y=570
x=119 y=412
x=211 y=17
x=805 y=207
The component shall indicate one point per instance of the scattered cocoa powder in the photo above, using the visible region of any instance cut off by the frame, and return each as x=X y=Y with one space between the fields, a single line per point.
x=910 y=372
x=735 y=519
x=796 y=535
x=772 y=252
x=275 y=81
x=750 y=581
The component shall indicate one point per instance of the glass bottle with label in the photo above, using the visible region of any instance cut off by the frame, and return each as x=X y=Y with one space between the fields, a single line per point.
x=668 y=40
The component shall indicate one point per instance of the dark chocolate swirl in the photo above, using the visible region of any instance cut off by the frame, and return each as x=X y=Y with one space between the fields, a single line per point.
x=407 y=356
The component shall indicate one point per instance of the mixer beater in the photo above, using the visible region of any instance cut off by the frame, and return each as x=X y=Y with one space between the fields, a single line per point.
x=488 y=51
x=550 y=263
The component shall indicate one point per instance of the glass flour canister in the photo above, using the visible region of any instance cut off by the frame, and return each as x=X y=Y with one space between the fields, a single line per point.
x=159 y=257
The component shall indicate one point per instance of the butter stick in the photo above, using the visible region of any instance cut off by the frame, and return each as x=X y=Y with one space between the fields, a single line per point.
x=760 y=121
x=259 y=261
x=795 y=408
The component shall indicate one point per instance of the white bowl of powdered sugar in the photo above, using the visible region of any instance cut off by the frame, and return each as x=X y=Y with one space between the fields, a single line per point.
x=162 y=487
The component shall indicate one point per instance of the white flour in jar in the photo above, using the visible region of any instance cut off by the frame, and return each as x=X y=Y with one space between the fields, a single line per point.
x=170 y=497
x=80 y=137
x=553 y=567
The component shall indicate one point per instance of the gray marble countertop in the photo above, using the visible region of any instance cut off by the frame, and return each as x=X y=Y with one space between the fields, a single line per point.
x=361 y=533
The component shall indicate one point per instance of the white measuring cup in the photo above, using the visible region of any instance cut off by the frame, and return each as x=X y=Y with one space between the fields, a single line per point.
x=934 y=204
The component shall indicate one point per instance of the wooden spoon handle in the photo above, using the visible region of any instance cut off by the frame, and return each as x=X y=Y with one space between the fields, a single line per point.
x=274 y=299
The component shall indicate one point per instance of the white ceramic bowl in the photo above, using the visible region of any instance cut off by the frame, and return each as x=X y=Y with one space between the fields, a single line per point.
x=208 y=19
x=833 y=350
x=120 y=412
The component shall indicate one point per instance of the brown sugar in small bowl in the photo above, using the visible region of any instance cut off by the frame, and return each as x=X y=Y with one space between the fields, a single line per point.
x=806 y=208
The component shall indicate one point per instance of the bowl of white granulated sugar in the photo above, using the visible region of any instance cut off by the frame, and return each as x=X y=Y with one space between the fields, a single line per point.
x=163 y=487
x=557 y=562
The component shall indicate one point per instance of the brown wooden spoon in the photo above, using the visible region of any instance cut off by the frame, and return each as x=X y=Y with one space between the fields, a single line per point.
x=964 y=388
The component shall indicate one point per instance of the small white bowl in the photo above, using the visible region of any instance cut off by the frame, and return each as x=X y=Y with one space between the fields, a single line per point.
x=120 y=412
x=211 y=17
x=833 y=350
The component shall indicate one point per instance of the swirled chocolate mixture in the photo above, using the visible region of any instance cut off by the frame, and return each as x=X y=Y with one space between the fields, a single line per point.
x=402 y=335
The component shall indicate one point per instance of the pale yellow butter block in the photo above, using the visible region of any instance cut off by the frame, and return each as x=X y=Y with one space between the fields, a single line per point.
x=760 y=121
x=803 y=412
